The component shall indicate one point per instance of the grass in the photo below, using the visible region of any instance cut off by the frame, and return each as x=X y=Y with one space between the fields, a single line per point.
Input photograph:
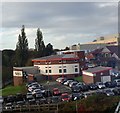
x=79 y=78
x=12 y=90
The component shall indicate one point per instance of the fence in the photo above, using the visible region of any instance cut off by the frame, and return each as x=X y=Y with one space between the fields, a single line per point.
x=42 y=108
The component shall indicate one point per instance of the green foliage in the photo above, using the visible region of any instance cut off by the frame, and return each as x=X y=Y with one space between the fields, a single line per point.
x=92 y=104
x=21 y=49
x=48 y=49
x=12 y=90
x=39 y=44
x=79 y=78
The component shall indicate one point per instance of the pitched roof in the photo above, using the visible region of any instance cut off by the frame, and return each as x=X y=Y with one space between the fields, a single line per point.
x=113 y=49
x=97 y=69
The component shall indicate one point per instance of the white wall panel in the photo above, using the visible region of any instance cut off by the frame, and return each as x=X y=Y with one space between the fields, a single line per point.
x=55 y=69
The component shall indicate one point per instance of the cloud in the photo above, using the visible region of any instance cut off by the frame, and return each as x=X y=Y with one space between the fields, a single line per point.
x=62 y=23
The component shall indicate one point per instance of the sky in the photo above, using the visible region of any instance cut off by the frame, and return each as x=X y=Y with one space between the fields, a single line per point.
x=62 y=23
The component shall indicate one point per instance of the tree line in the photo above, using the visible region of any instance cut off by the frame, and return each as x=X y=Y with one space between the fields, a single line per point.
x=22 y=55
x=22 y=52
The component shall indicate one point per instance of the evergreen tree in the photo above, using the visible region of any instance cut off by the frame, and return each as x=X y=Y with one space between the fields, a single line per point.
x=49 y=49
x=21 y=49
x=39 y=44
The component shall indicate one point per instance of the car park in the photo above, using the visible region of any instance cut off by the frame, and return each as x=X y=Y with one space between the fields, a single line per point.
x=100 y=85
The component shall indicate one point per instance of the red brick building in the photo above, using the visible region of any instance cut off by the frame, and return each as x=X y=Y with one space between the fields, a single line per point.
x=97 y=74
x=20 y=74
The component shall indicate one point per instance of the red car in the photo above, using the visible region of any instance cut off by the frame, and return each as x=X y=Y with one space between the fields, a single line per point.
x=65 y=97
x=56 y=91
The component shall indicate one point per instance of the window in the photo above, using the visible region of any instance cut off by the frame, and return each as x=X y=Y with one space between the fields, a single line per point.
x=76 y=66
x=60 y=70
x=60 y=66
x=46 y=71
x=64 y=70
x=60 y=61
x=75 y=60
x=64 y=61
x=50 y=71
x=49 y=67
x=76 y=69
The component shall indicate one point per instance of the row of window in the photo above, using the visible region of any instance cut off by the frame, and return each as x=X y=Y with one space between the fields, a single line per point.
x=64 y=61
x=63 y=66
x=60 y=70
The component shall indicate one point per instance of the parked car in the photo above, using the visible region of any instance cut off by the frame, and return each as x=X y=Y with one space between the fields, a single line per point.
x=56 y=91
x=77 y=96
x=36 y=91
x=38 y=95
x=116 y=91
x=92 y=86
x=100 y=85
x=67 y=82
x=60 y=79
x=84 y=87
x=116 y=74
x=65 y=97
x=91 y=65
x=109 y=92
x=110 y=84
x=76 y=89
x=9 y=106
x=117 y=82
x=29 y=96
x=71 y=84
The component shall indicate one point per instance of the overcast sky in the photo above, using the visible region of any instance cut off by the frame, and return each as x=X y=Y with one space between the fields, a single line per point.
x=62 y=24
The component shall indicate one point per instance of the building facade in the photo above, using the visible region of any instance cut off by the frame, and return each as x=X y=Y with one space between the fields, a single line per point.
x=67 y=65
x=23 y=74
x=97 y=74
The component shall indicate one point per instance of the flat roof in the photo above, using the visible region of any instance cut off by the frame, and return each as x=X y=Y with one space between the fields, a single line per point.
x=57 y=57
x=29 y=67
x=97 y=69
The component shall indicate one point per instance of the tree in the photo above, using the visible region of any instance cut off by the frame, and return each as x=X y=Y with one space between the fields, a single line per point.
x=49 y=49
x=21 y=49
x=39 y=44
